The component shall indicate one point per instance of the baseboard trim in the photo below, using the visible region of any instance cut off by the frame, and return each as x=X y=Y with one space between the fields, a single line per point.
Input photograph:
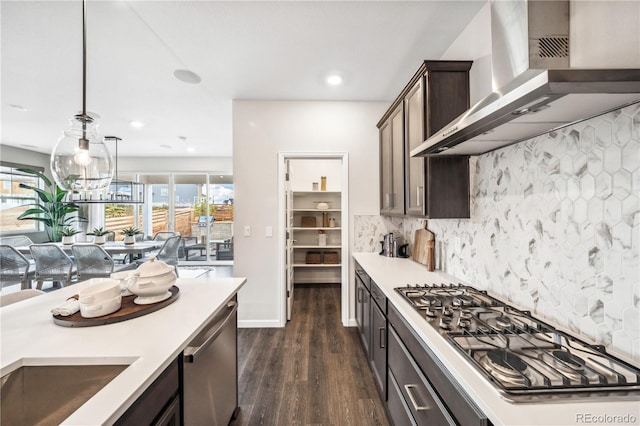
x=259 y=324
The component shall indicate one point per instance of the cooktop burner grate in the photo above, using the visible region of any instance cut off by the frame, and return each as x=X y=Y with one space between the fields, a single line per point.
x=518 y=353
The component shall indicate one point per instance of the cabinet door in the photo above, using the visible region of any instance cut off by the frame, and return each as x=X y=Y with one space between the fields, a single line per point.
x=414 y=166
x=397 y=162
x=379 y=348
x=363 y=314
x=385 y=168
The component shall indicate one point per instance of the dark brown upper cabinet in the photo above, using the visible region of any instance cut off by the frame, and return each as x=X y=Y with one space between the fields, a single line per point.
x=392 y=158
x=434 y=187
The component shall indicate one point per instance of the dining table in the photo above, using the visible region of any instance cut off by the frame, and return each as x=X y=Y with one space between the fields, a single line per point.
x=139 y=248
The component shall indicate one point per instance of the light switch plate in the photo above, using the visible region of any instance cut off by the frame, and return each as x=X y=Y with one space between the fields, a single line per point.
x=247 y=230
x=268 y=231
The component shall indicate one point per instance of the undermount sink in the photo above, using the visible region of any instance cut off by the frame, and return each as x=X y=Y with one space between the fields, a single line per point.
x=48 y=394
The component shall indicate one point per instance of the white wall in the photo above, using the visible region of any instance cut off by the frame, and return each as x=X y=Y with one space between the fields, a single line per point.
x=262 y=129
x=221 y=165
x=474 y=44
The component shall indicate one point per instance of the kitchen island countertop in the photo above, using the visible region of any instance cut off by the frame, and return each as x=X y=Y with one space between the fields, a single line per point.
x=147 y=344
x=389 y=272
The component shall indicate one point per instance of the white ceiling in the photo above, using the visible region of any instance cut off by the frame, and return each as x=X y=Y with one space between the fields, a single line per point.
x=277 y=50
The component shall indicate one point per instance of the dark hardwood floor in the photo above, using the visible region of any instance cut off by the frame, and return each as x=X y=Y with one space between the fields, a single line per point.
x=312 y=372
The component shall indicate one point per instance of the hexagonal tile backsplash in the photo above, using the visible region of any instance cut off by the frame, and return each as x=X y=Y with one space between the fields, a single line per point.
x=555 y=228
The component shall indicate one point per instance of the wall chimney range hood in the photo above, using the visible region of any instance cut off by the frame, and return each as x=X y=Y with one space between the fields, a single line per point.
x=538 y=91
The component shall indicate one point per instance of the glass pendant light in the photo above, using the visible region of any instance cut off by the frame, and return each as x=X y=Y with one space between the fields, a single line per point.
x=80 y=161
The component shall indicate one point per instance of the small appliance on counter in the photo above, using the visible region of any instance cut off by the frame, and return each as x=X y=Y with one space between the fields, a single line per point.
x=392 y=246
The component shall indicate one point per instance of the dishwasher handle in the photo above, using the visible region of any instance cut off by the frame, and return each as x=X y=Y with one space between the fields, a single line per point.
x=191 y=352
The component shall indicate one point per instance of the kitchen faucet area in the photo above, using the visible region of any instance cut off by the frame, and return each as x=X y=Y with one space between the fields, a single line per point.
x=312 y=212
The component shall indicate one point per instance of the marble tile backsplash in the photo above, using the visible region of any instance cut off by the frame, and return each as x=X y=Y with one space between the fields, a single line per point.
x=554 y=228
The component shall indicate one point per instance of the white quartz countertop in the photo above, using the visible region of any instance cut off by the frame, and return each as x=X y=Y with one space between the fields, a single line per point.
x=147 y=344
x=388 y=273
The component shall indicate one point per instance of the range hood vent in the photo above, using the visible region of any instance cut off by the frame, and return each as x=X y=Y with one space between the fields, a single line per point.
x=535 y=89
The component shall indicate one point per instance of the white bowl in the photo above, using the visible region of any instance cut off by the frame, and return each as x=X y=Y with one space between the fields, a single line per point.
x=101 y=291
x=151 y=282
x=105 y=307
x=123 y=278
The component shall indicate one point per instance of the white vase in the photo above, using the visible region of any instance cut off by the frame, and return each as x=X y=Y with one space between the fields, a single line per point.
x=99 y=239
x=129 y=239
x=68 y=240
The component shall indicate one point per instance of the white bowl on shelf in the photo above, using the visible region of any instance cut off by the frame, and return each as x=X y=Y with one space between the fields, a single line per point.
x=323 y=205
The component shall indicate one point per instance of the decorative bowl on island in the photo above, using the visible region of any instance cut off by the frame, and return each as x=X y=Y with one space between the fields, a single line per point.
x=151 y=281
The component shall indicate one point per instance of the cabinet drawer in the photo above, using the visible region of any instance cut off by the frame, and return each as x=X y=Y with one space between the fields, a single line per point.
x=378 y=296
x=423 y=402
x=396 y=405
x=452 y=395
x=157 y=400
x=362 y=274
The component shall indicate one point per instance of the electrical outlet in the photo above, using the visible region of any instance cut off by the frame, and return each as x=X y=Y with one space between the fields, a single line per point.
x=268 y=231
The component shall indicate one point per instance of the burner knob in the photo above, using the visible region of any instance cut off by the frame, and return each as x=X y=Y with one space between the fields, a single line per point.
x=464 y=322
x=445 y=322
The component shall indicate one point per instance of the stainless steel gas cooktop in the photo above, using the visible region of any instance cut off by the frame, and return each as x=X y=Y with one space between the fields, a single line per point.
x=526 y=359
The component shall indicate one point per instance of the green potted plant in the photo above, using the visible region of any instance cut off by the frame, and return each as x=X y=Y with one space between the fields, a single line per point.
x=68 y=235
x=130 y=234
x=99 y=235
x=52 y=210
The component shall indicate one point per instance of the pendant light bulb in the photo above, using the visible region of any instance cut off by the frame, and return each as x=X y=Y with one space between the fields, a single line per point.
x=80 y=161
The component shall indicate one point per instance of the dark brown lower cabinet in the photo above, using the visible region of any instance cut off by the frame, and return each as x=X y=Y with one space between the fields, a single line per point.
x=419 y=403
x=161 y=403
x=379 y=338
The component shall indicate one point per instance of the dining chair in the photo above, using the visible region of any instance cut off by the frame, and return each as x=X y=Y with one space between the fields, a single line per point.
x=18 y=241
x=168 y=253
x=15 y=267
x=52 y=264
x=92 y=261
x=16 y=296
x=163 y=235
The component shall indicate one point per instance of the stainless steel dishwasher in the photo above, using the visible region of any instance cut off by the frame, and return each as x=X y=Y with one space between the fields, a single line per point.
x=211 y=371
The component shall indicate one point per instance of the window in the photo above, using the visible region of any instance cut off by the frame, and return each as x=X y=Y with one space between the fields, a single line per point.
x=15 y=200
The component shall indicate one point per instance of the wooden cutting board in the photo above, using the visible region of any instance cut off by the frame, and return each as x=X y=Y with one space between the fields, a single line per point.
x=423 y=246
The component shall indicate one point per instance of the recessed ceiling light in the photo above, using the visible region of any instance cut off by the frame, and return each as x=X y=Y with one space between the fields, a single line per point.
x=18 y=108
x=187 y=76
x=191 y=149
x=166 y=146
x=334 y=79
x=136 y=124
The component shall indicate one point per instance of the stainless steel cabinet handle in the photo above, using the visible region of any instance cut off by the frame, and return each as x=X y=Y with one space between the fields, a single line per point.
x=359 y=294
x=190 y=352
x=418 y=188
x=417 y=407
x=382 y=339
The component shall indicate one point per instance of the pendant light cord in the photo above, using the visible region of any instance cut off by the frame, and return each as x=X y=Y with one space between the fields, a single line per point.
x=84 y=57
x=84 y=143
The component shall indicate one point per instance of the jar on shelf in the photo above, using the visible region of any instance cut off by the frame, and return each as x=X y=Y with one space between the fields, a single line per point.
x=322 y=238
x=323 y=183
x=325 y=220
x=314 y=186
x=332 y=222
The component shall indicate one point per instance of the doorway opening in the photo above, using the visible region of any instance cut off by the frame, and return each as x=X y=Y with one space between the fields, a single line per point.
x=314 y=242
